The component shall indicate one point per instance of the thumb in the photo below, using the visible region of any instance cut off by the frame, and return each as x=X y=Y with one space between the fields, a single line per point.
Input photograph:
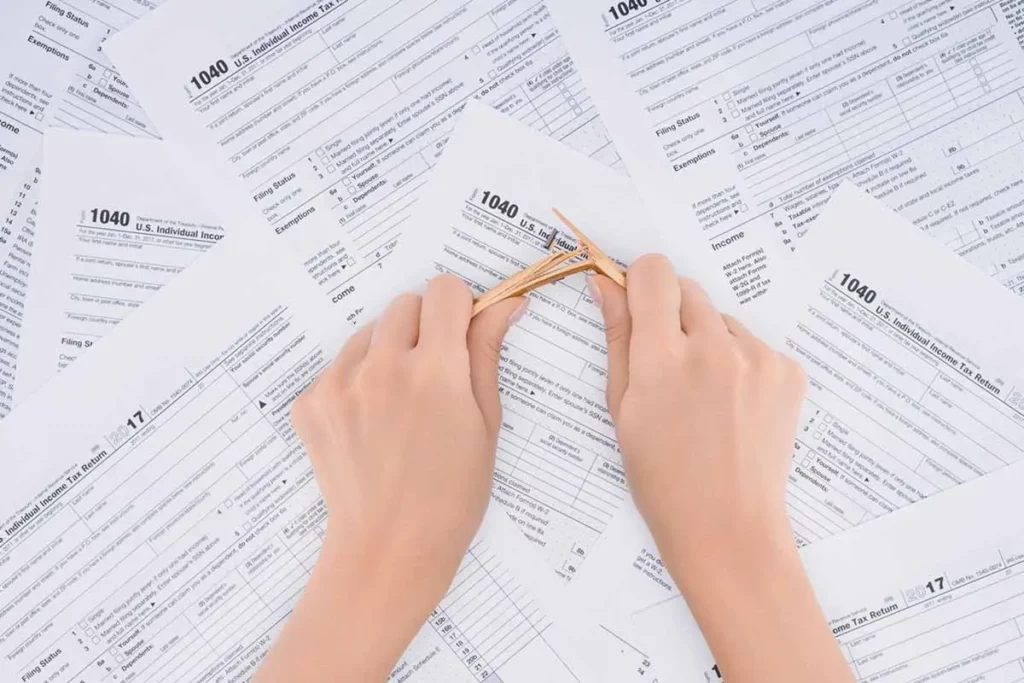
x=618 y=326
x=484 y=339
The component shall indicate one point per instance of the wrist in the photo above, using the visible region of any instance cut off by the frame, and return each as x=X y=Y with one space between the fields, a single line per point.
x=762 y=595
x=371 y=602
x=731 y=556
x=352 y=607
x=373 y=577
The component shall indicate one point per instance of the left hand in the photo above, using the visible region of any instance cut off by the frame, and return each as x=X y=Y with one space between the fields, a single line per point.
x=402 y=431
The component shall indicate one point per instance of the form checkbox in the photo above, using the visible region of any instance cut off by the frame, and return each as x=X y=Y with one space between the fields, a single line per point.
x=89 y=632
x=476 y=49
x=744 y=207
x=96 y=639
x=248 y=526
x=828 y=418
x=750 y=129
x=892 y=15
x=906 y=41
x=817 y=436
x=732 y=105
x=728 y=96
x=578 y=111
x=107 y=73
x=987 y=88
x=753 y=138
x=39 y=116
x=735 y=114
x=120 y=658
x=492 y=73
x=331 y=169
x=229 y=503
x=347 y=181
x=103 y=83
x=321 y=153
x=572 y=102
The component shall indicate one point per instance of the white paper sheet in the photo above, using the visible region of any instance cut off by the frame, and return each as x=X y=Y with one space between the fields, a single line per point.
x=743 y=117
x=57 y=75
x=330 y=115
x=913 y=390
x=119 y=217
x=164 y=531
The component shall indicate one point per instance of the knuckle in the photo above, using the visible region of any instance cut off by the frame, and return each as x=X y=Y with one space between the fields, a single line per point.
x=617 y=331
x=733 y=324
x=735 y=365
x=796 y=373
x=376 y=375
x=407 y=300
x=761 y=358
x=716 y=354
x=653 y=369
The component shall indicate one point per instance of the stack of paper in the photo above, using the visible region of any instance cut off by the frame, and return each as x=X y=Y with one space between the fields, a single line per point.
x=159 y=517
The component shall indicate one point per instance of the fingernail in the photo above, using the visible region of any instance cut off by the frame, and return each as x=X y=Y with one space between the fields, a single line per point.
x=595 y=291
x=518 y=314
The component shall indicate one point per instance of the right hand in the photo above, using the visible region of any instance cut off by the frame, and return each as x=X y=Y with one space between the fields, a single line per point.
x=706 y=416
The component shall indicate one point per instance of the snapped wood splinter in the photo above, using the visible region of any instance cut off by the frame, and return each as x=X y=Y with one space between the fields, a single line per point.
x=552 y=268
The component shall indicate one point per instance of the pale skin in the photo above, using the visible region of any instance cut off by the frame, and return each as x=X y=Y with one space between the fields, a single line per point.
x=402 y=431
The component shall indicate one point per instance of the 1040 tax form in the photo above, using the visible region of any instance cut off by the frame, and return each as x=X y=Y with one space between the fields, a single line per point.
x=329 y=116
x=118 y=218
x=743 y=117
x=59 y=77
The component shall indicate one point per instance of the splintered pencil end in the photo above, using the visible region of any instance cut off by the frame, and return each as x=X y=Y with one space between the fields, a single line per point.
x=602 y=262
x=586 y=256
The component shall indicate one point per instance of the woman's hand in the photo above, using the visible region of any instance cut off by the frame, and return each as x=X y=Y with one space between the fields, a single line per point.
x=706 y=416
x=705 y=413
x=401 y=431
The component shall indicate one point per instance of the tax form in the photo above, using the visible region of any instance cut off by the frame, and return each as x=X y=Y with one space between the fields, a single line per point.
x=912 y=357
x=164 y=532
x=945 y=604
x=59 y=76
x=743 y=117
x=328 y=116
x=119 y=217
x=930 y=593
